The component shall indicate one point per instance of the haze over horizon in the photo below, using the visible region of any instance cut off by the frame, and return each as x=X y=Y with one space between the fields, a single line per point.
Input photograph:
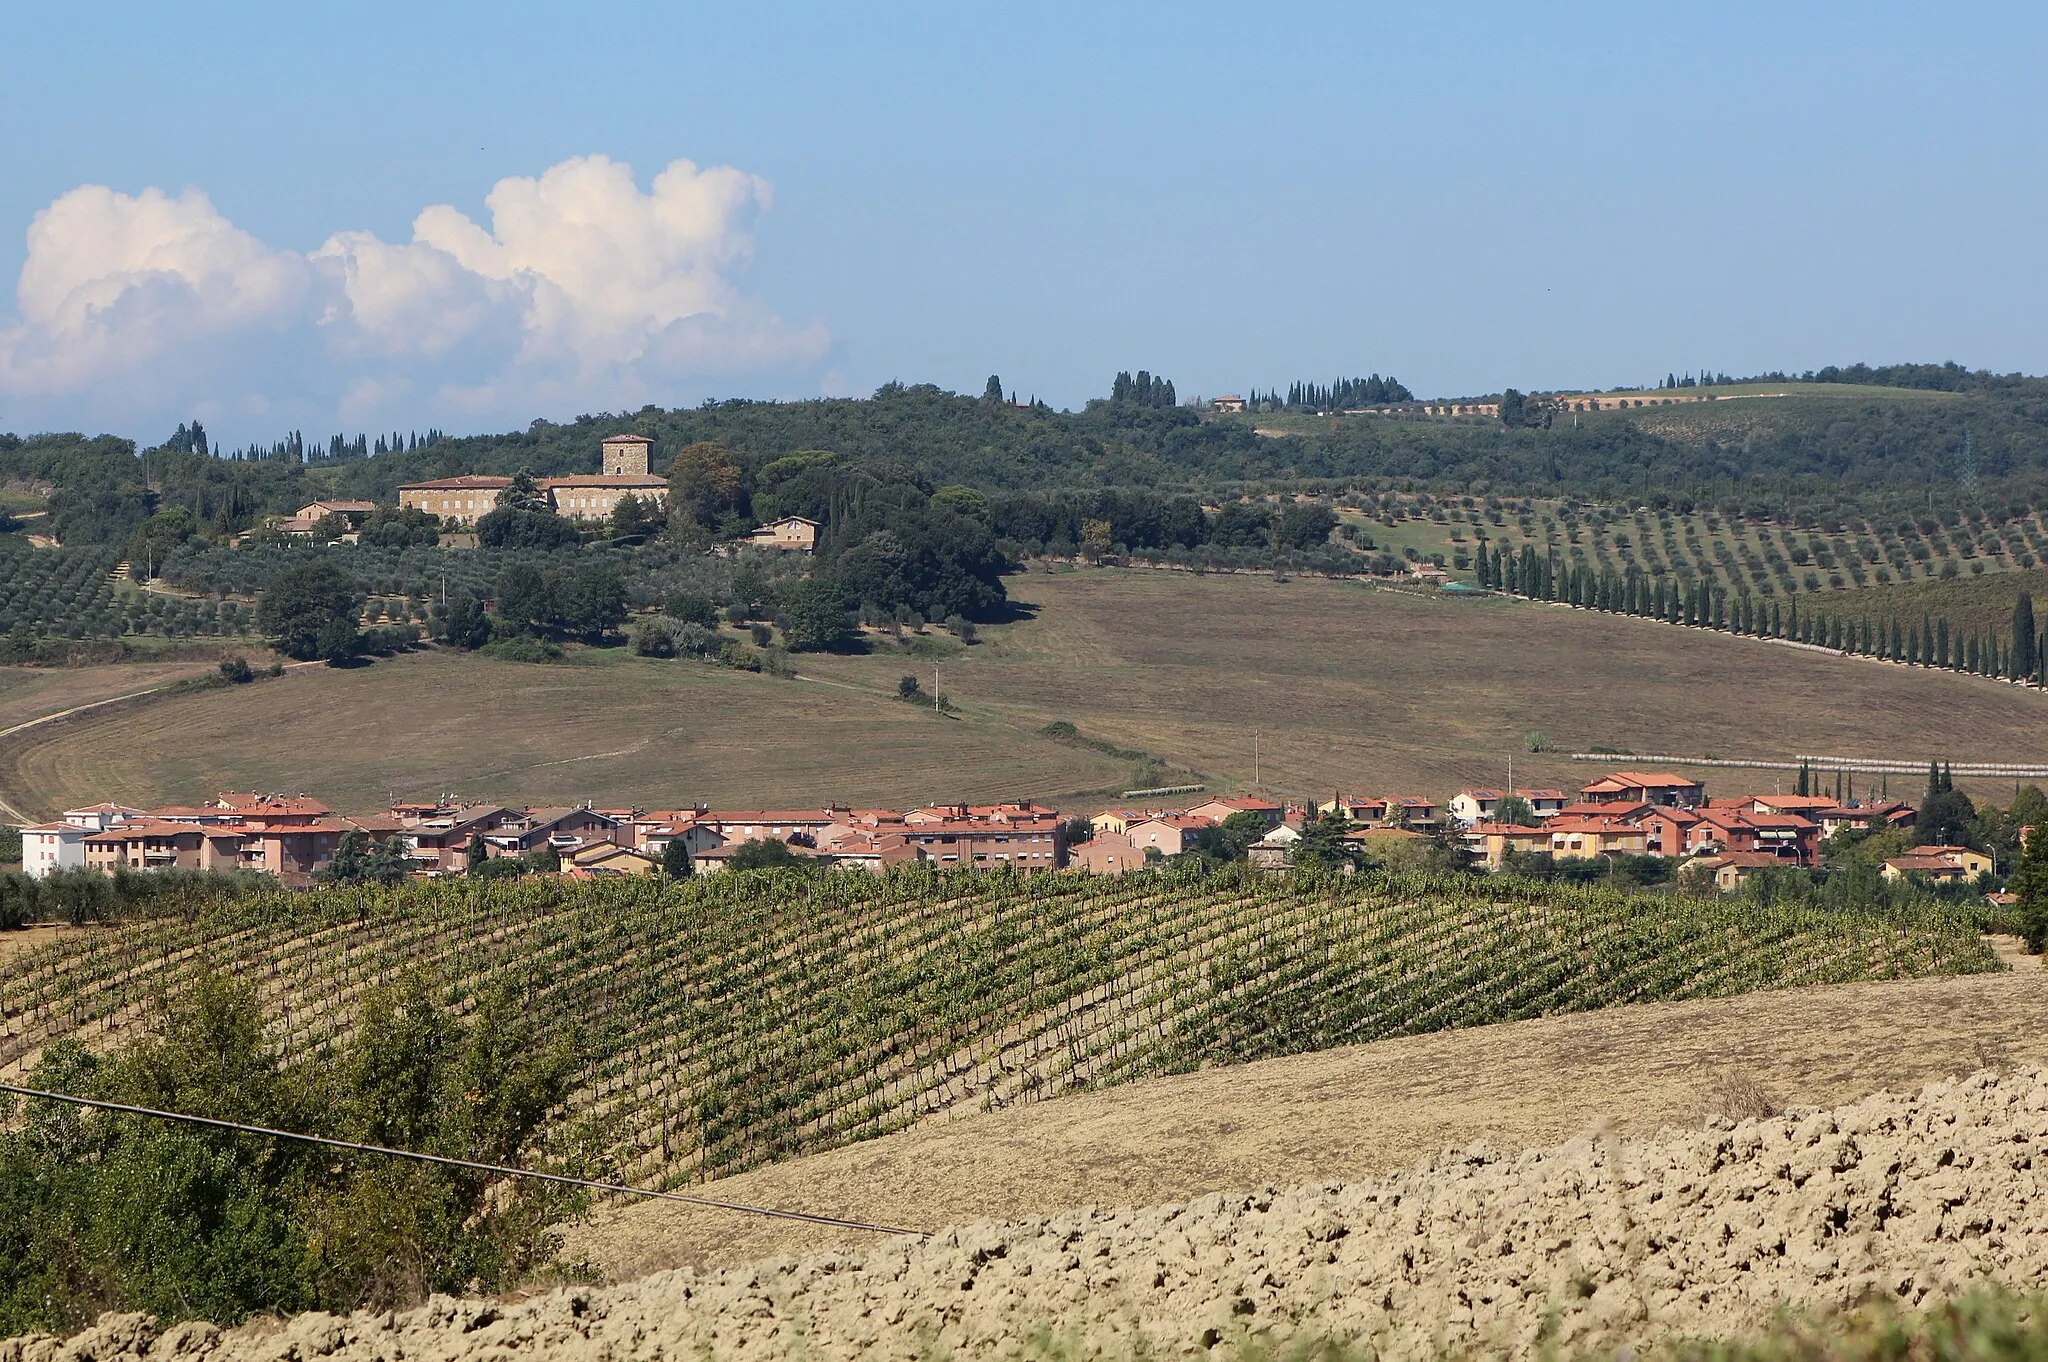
x=388 y=219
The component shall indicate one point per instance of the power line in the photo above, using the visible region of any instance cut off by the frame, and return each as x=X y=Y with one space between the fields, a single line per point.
x=709 y=1203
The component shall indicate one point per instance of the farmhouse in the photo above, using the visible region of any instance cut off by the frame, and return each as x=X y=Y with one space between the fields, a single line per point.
x=791 y=534
x=307 y=518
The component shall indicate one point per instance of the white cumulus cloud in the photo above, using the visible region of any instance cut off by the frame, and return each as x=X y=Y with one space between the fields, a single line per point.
x=583 y=291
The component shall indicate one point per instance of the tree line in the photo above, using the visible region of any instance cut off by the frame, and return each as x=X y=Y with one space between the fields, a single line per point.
x=1705 y=603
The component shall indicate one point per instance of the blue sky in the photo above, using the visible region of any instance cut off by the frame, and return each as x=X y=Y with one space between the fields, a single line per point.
x=1466 y=196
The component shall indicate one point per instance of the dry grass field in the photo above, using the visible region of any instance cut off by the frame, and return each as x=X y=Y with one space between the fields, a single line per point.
x=30 y=692
x=1362 y=1110
x=1348 y=687
x=611 y=728
x=1359 y=689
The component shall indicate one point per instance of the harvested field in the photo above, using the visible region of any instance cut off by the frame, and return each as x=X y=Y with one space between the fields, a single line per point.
x=30 y=692
x=1349 y=688
x=1599 y=1241
x=612 y=728
x=1358 y=689
x=1361 y=1110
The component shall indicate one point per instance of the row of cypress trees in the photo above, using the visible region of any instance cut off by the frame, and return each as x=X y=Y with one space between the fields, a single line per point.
x=1705 y=603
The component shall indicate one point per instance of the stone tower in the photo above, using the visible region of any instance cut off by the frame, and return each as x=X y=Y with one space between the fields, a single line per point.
x=627 y=454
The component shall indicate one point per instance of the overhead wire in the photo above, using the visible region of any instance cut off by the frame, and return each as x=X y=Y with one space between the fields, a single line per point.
x=565 y=1179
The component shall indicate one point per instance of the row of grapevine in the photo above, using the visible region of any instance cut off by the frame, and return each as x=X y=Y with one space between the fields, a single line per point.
x=732 y=1021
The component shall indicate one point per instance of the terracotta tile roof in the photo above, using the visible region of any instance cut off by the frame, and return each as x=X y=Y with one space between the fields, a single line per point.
x=467 y=482
x=1250 y=803
x=603 y=480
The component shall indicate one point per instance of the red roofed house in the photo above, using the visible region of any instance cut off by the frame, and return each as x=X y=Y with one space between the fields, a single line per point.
x=1493 y=843
x=1171 y=834
x=1356 y=809
x=1728 y=869
x=1668 y=829
x=1635 y=787
x=1473 y=806
x=1218 y=809
x=1942 y=864
x=1579 y=839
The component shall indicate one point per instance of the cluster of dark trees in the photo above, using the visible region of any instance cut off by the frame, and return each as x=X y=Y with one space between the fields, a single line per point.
x=1143 y=390
x=1705 y=603
x=105 y=1210
x=1060 y=524
x=584 y=602
x=1343 y=395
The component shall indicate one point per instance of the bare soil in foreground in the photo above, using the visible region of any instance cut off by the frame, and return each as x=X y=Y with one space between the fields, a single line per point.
x=1595 y=1243
x=1359 y=1111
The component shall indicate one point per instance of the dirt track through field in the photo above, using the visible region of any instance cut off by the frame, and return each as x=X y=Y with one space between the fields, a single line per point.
x=1361 y=1110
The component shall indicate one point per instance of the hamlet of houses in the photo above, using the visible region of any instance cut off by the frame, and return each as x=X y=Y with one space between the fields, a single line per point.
x=1626 y=813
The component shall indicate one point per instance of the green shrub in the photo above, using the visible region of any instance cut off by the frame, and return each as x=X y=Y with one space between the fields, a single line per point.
x=522 y=648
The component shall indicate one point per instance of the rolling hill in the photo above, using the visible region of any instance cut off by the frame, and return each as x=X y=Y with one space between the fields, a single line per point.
x=1303 y=686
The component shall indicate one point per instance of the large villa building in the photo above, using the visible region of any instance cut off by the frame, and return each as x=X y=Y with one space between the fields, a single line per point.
x=578 y=496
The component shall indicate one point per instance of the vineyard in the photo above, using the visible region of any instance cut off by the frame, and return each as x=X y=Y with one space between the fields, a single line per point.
x=727 y=1022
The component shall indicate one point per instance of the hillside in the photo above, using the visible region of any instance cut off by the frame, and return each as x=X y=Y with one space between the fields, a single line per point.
x=731 y=1021
x=1597 y=1247
x=1348 y=688
x=1814 y=446
x=1360 y=1111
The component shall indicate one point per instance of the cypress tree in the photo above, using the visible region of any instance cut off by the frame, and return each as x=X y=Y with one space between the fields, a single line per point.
x=1933 y=779
x=1972 y=657
x=1898 y=648
x=1941 y=657
x=2023 y=658
x=1913 y=646
x=1805 y=778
